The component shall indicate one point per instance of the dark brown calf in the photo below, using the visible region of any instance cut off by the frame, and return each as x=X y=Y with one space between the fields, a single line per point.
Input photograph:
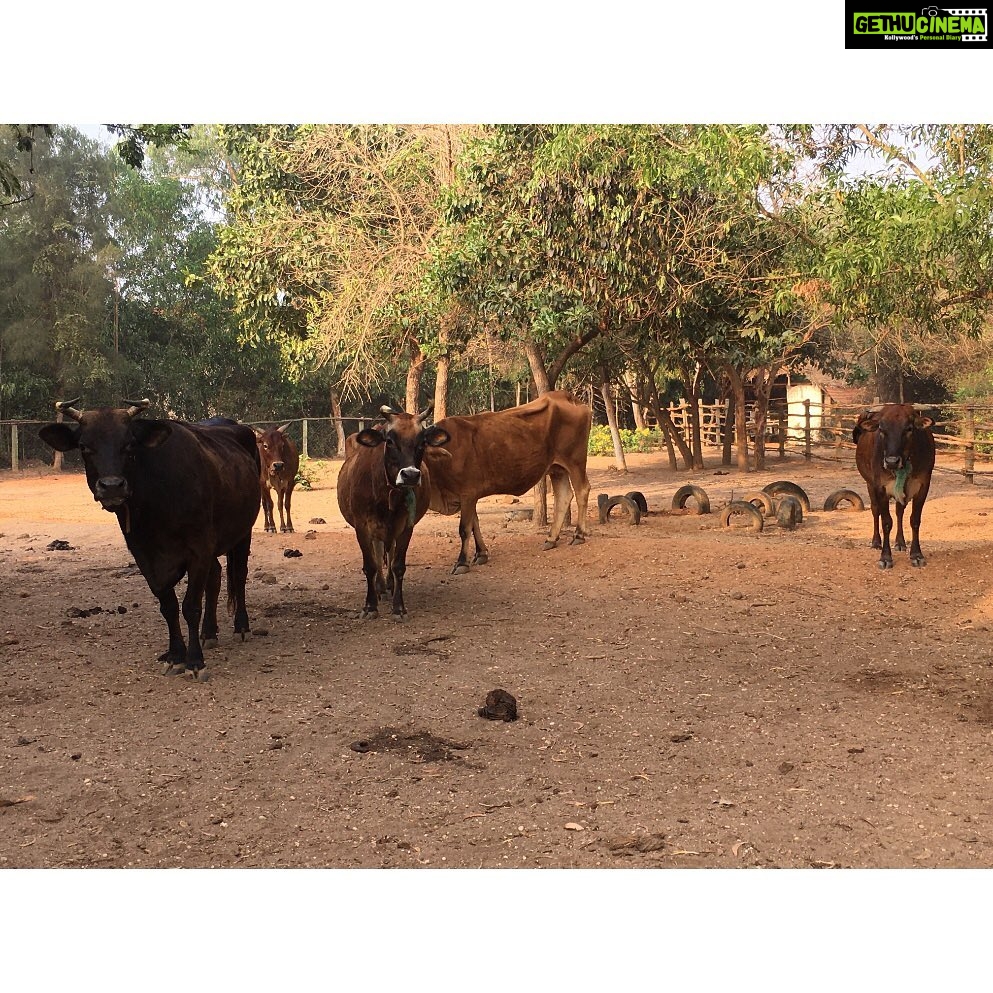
x=383 y=491
x=895 y=455
x=280 y=464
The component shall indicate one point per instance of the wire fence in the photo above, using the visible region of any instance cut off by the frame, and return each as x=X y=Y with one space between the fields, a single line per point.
x=963 y=435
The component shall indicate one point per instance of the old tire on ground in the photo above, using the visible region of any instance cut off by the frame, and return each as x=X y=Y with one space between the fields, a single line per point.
x=785 y=486
x=746 y=508
x=639 y=499
x=763 y=501
x=681 y=495
x=842 y=496
x=632 y=510
x=789 y=512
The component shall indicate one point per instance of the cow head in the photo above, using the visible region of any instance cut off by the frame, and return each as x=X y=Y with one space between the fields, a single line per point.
x=405 y=437
x=273 y=449
x=108 y=439
x=893 y=427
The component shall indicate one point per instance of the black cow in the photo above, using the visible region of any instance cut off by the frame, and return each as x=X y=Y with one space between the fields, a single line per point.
x=184 y=494
x=894 y=452
x=383 y=491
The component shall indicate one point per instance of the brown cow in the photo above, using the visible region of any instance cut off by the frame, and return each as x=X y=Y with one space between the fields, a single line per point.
x=895 y=454
x=280 y=463
x=509 y=451
x=183 y=494
x=383 y=492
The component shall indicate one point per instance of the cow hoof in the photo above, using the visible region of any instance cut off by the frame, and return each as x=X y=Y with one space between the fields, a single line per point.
x=200 y=675
x=460 y=570
x=245 y=635
x=480 y=560
x=883 y=564
x=286 y=530
x=549 y=545
x=578 y=540
x=369 y=615
x=173 y=669
x=209 y=643
x=900 y=546
x=918 y=562
x=270 y=530
x=399 y=618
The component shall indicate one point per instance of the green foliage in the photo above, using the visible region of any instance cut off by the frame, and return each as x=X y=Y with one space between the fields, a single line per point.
x=638 y=440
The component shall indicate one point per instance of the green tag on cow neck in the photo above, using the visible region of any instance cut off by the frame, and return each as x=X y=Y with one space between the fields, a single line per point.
x=411 y=497
x=898 y=486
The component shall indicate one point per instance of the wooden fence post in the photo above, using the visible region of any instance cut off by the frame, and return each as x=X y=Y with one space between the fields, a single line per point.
x=13 y=447
x=806 y=430
x=305 y=452
x=782 y=432
x=969 y=433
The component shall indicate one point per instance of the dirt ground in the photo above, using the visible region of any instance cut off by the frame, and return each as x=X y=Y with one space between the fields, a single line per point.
x=689 y=695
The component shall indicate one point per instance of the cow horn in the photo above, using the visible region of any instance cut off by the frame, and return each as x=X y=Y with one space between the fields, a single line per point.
x=387 y=411
x=137 y=406
x=66 y=407
x=425 y=414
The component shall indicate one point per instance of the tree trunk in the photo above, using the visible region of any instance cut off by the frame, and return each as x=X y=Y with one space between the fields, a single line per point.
x=728 y=432
x=765 y=380
x=441 y=388
x=615 y=435
x=691 y=382
x=339 y=427
x=740 y=423
x=664 y=420
x=543 y=385
x=631 y=381
x=415 y=372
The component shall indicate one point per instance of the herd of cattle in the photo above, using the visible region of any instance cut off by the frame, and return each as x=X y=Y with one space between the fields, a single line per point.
x=186 y=494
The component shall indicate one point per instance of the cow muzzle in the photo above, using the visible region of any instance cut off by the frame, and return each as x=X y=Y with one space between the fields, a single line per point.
x=893 y=462
x=111 y=491
x=277 y=467
x=408 y=477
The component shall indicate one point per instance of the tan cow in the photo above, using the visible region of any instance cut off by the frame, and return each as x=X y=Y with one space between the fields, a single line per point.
x=509 y=451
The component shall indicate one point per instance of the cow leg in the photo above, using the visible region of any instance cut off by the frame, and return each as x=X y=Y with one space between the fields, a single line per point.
x=482 y=555
x=468 y=525
x=208 y=633
x=169 y=608
x=384 y=580
x=237 y=560
x=284 y=498
x=874 y=505
x=270 y=523
x=398 y=568
x=562 y=489
x=196 y=583
x=901 y=543
x=372 y=566
x=916 y=555
x=886 y=521
x=581 y=487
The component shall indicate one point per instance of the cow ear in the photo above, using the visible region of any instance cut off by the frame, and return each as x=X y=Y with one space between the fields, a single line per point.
x=869 y=424
x=258 y=432
x=151 y=434
x=370 y=437
x=922 y=422
x=436 y=436
x=61 y=437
